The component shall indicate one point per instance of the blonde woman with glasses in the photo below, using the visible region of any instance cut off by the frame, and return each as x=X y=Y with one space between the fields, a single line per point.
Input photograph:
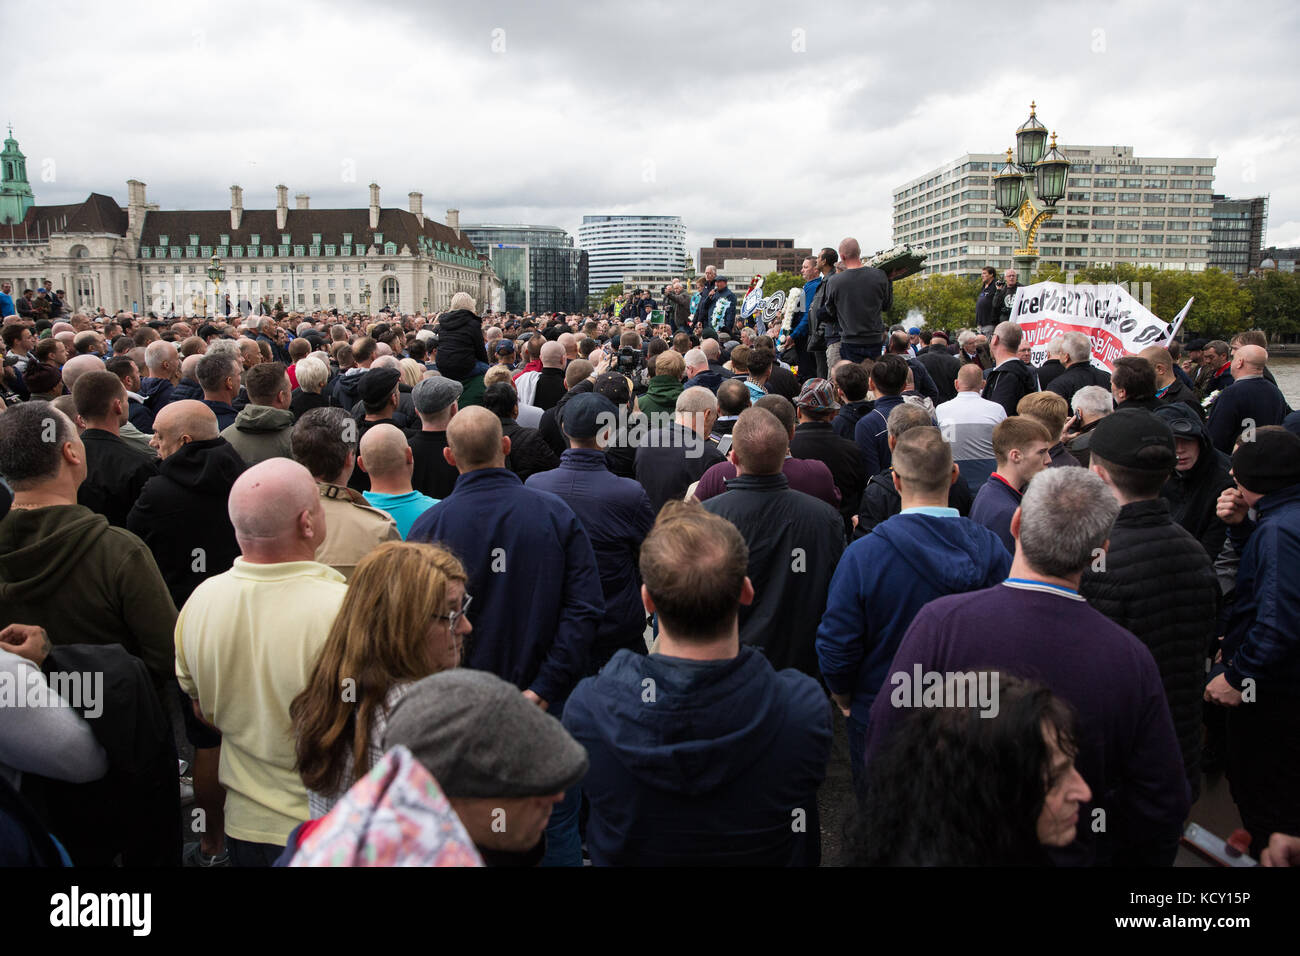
x=403 y=618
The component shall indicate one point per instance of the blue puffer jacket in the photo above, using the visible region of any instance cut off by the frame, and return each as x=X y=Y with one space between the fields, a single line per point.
x=701 y=763
x=883 y=580
x=1261 y=640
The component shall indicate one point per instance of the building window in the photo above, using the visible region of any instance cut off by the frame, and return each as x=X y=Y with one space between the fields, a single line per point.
x=254 y=240
x=194 y=240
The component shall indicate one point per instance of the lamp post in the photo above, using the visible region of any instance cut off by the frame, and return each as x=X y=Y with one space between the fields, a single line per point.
x=366 y=292
x=216 y=274
x=1028 y=187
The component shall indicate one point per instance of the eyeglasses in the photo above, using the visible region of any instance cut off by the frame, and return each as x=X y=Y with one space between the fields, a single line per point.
x=454 y=617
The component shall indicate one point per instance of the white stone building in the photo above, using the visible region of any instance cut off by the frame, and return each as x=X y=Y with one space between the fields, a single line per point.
x=143 y=258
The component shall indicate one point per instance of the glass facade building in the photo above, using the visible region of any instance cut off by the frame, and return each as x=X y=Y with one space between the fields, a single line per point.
x=1237 y=233
x=540 y=267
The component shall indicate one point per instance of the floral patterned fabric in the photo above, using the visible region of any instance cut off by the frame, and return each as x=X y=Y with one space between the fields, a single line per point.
x=396 y=815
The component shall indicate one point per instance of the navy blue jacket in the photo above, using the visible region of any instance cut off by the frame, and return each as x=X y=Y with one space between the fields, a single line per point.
x=156 y=393
x=849 y=415
x=616 y=514
x=994 y=505
x=226 y=414
x=1261 y=640
x=701 y=763
x=708 y=379
x=883 y=580
x=872 y=435
x=186 y=390
x=1256 y=399
x=532 y=573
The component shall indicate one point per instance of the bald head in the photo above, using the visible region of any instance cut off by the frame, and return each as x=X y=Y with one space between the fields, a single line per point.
x=190 y=367
x=970 y=378
x=474 y=440
x=850 y=251
x=552 y=355
x=711 y=348
x=385 y=455
x=1252 y=358
x=179 y=423
x=78 y=366
x=276 y=511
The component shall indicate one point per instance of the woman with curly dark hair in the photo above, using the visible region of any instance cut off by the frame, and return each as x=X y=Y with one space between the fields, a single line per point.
x=955 y=788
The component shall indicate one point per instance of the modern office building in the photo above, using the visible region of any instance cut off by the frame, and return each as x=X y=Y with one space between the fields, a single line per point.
x=788 y=258
x=540 y=267
x=1237 y=233
x=1145 y=211
x=619 y=245
x=143 y=258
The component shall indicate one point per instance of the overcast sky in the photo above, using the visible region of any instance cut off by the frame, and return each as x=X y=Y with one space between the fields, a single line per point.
x=745 y=119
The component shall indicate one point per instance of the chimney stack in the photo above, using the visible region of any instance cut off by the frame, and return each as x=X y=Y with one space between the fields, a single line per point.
x=135 y=206
x=417 y=206
x=302 y=200
x=374 y=206
x=453 y=221
x=236 y=206
x=281 y=206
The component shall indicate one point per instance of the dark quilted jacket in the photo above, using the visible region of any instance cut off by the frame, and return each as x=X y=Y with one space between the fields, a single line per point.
x=1159 y=584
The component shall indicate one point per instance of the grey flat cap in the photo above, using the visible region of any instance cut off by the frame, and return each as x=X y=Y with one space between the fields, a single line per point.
x=432 y=395
x=480 y=737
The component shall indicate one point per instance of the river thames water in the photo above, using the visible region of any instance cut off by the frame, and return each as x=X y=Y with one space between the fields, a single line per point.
x=1287 y=372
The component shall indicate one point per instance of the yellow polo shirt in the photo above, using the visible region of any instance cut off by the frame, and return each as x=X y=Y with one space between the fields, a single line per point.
x=246 y=643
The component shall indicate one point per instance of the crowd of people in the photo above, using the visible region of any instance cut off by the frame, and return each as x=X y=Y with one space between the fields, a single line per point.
x=484 y=589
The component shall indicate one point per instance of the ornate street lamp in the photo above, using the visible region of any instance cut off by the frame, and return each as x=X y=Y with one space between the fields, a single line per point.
x=1009 y=188
x=1049 y=175
x=1028 y=187
x=366 y=291
x=1030 y=138
x=216 y=274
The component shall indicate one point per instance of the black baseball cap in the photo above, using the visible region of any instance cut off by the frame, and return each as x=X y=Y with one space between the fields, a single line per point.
x=1134 y=438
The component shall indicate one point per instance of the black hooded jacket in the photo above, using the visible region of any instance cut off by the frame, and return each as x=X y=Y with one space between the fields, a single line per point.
x=1192 y=495
x=182 y=515
x=460 y=344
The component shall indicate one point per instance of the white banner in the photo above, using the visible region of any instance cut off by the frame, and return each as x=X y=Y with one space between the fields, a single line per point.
x=1115 y=322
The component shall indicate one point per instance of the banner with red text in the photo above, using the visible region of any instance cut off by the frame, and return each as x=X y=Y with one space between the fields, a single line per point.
x=1115 y=322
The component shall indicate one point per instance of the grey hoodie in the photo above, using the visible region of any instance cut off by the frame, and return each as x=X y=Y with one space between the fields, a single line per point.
x=261 y=432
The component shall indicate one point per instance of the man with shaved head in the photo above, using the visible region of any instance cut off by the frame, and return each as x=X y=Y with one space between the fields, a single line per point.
x=532 y=573
x=260 y=625
x=794 y=542
x=183 y=508
x=967 y=423
x=1169 y=387
x=188 y=386
x=1250 y=402
x=854 y=301
x=545 y=387
x=182 y=516
x=387 y=458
